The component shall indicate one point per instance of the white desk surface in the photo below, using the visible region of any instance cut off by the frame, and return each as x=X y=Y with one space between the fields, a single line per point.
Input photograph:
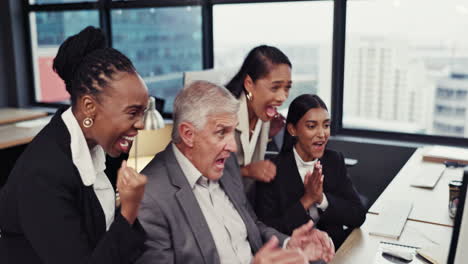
x=360 y=247
x=430 y=206
x=12 y=135
x=11 y=115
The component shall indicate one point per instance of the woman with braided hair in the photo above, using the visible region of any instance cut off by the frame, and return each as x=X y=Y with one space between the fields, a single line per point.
x=59 y=203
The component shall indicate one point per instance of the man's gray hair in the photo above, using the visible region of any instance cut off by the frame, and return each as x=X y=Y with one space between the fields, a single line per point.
x=196 y=102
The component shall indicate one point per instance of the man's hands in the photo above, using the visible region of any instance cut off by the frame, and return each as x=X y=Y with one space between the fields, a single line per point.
x=314 y=243
x=271 y=253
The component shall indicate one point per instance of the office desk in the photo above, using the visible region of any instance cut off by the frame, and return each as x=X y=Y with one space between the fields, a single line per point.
x=13 y=135
x=141 y=162
x=12 y=115
x=360 y=247
x=430 y=206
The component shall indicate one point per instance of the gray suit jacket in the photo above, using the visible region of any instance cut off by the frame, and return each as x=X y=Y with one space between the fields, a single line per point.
x=176 y=228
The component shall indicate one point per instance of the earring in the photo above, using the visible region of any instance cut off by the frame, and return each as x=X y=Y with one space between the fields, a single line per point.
x=88 y=122
x=249 y=96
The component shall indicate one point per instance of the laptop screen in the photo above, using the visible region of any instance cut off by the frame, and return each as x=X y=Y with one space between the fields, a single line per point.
x=458 y=253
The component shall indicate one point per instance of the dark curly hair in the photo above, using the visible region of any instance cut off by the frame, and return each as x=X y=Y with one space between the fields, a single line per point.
x=86 y=65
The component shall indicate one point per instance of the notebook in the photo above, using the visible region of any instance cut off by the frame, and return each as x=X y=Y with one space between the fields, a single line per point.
x=435 y=254
x=442 y=153
x=427 y=175
x=392 y=219
x=382 y=258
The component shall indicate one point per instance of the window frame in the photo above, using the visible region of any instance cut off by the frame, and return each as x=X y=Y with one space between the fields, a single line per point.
x=104 y=8
x=337 y=95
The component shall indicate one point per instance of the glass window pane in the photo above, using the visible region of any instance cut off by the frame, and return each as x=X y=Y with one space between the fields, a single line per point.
x=162 y=43
x=302 y=30
x=57 y=1
x=407 y=70
x=48 y=31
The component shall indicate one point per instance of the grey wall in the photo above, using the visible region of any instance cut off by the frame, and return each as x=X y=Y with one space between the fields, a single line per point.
x=4 y=79
x=377 y=165
x=15 y=82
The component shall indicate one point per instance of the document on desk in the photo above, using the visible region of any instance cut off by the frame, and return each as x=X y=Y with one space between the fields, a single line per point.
x=397 y=253
x=435 y=254
x=34 y=123
x=427 y=175
x=392 y=219
x=443 y=153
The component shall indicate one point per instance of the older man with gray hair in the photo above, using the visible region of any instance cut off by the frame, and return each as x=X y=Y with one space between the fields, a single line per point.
x=194 y=209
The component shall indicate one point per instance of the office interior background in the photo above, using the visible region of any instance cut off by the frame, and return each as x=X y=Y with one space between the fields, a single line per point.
x=394 y=73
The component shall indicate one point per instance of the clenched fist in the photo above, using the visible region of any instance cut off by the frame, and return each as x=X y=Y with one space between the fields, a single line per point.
x=131 y=186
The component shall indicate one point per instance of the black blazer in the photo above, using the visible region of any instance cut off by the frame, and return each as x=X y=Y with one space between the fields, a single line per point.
x=48 y=216
x=278 y=202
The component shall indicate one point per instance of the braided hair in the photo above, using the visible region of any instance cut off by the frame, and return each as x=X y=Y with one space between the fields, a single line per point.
x=257 y=65
x=297 y=109
x=86 y=65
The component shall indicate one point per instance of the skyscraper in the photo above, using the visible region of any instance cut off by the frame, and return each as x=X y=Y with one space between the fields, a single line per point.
x=383 y=85
x=161 y=42
x=451 y=101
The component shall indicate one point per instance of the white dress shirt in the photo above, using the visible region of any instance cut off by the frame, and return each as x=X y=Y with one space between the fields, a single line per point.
x=226 y=225
x=304 y=167
x=91 y=165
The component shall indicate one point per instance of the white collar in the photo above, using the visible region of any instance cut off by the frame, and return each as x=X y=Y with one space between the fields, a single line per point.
x=301 y=162
x=243 y=114
x=88 y=162
x=190 y=171
x=244 y=128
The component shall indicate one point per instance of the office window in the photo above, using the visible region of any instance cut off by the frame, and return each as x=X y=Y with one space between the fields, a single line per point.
x=302 y=30
x=406 y=70
x=162 y=43
x=48 y=31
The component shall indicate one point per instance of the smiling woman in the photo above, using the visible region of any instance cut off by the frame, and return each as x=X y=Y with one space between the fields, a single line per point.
x=312 y=182
x=58 y=205
x=261 y=86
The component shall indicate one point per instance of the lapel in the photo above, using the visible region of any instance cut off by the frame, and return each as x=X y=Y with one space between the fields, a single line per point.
x=192 y=211
x=293 y=180
x=262 y=142
x=93 y=215
x=234 y=193
x=243 y=128
x=329 y=169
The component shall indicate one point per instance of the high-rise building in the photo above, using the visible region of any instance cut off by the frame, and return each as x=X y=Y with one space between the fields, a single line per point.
x=450 y=104
x=161 y=42
x=383 y=85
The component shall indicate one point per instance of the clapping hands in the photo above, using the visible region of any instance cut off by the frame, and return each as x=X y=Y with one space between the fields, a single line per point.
x=313 y=187
x=315 y=244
